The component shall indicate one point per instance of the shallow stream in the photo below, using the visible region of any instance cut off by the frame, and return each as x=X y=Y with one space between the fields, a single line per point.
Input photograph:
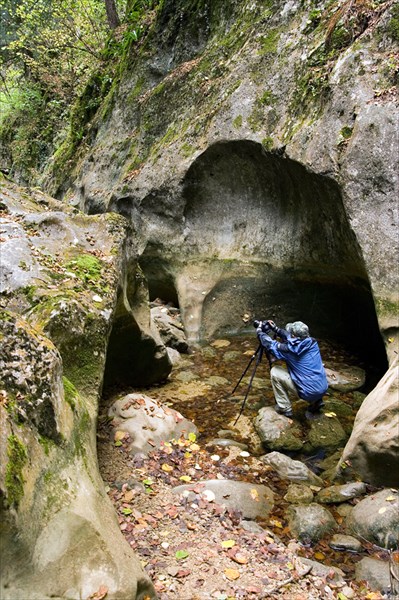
x=200 y=388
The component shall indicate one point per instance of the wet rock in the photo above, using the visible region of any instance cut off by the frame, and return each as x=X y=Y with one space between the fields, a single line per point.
x=338 y=406
x=216 y=381
x=170 y=328
x=299 y=494
x=347 y=379
x=148 y=422
x=375 y=519
x=245 y=430
x=358 y=398
x=310 y=522
x=344 y=509
x=252 y=500
x=372 y=451
x=276 y=431
x=341 y=493
x=290 y=469
x=174 y=356
x=326 y=432
x=225 y=443
x=208 y=352
x=375 y=572
x=326 y=571
x=345 y=542
x=232 y=355
x=186 y=376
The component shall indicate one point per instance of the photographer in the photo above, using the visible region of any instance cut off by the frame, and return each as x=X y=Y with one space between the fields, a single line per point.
x=305 y=377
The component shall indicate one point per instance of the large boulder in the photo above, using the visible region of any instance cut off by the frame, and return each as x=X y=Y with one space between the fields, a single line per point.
x=277 y=432
x=372 y=451
x=375 y=519
x=147 y=422
x=59 y=295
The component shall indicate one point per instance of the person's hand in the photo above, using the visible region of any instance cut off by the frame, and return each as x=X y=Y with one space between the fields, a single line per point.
x=272 y=325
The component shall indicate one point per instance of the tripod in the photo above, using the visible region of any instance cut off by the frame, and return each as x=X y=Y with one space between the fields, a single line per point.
x=258 y=355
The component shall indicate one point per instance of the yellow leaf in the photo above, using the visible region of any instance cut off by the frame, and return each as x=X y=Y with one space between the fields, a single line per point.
x=382 y=510
x=254 y=494
x=119 y=435
x=276 y=523
x=390 y=340
x=330 y=414
x=192 y=437
x=390 y=498
x=167 y=468
x=194 y=447
x=185 y=478
x=232 y=574
x=228 y=543
x=319 y=556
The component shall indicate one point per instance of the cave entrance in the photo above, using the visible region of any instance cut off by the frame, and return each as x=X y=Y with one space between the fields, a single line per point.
x=160 y=279
x=275 y=241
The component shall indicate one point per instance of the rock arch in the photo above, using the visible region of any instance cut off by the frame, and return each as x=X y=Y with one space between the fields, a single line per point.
x=263 y=236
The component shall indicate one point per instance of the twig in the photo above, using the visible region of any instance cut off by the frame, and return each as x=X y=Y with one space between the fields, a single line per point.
x=275 y=588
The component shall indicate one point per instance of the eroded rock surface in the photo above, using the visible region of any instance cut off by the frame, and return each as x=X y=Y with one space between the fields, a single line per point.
x=59 y=296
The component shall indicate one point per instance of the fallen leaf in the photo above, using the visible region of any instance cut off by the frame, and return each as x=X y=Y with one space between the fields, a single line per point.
x=330 y=414
x=239 y=558
x=185 y=478
x=192 y=437
x=167 y=468
x=382 y=510
x=100 y=593
x=319 y=556
x=254 y=494
x=232 y=574
x=228 y=543
x=119 y=435
x=390 y=498
x=180 y=554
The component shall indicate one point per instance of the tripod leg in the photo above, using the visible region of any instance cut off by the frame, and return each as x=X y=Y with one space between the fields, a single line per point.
x=250 y=383
x=247 y=367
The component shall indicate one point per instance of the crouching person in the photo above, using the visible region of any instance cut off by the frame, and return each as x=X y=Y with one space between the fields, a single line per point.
x=306 y=377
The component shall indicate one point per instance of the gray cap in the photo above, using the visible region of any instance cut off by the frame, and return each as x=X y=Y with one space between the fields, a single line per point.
x=298 y=329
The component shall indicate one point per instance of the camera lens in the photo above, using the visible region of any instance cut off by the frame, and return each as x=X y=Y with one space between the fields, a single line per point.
x=257 y=323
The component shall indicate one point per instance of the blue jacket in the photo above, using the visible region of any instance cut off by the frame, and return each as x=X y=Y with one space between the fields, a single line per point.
x=303 y=361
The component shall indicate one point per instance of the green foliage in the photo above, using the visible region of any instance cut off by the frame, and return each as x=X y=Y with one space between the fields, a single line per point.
x=14 y=481
x=393 y=26
x=86 y=267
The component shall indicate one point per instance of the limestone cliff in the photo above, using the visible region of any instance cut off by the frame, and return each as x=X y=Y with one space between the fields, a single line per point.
x=254 y=147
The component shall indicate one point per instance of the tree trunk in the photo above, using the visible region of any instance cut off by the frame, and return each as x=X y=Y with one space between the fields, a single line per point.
x=112 y=15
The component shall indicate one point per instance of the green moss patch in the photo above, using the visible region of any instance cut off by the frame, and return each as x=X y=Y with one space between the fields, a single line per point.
x=17 y=458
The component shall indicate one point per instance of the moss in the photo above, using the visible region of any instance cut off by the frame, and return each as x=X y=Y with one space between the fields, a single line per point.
x=187 y=150
x=70 y=392
x=268 y=143
x=87 y=267
x=267 y=98
x=14 y=481
x=346 y=132
x=385 y=307
x=393 y=25
x=269 y=42
x=237 y=123
x=46 y=444
x=30 y=292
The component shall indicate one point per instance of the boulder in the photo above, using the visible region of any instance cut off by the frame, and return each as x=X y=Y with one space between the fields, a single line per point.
x=170 y=328
x=372 y=451
x=276 y=431
x=341 y=493
x=299 y=494
x=293 y=470
x=375 y=519
x=147 y=422
x=345 y=542
x=346 y=379
x=325 y=431
x=375 y=572
x=310 y=522
x=251 y=500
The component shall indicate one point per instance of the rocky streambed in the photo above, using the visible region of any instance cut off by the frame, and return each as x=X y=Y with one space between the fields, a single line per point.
x=220 y=508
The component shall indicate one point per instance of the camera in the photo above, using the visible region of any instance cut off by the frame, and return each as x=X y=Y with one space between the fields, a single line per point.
x=263 y=324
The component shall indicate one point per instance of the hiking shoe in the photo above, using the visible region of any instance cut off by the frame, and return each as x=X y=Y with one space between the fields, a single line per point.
x=310 y=415
x=286 y=412
x=316 y=407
